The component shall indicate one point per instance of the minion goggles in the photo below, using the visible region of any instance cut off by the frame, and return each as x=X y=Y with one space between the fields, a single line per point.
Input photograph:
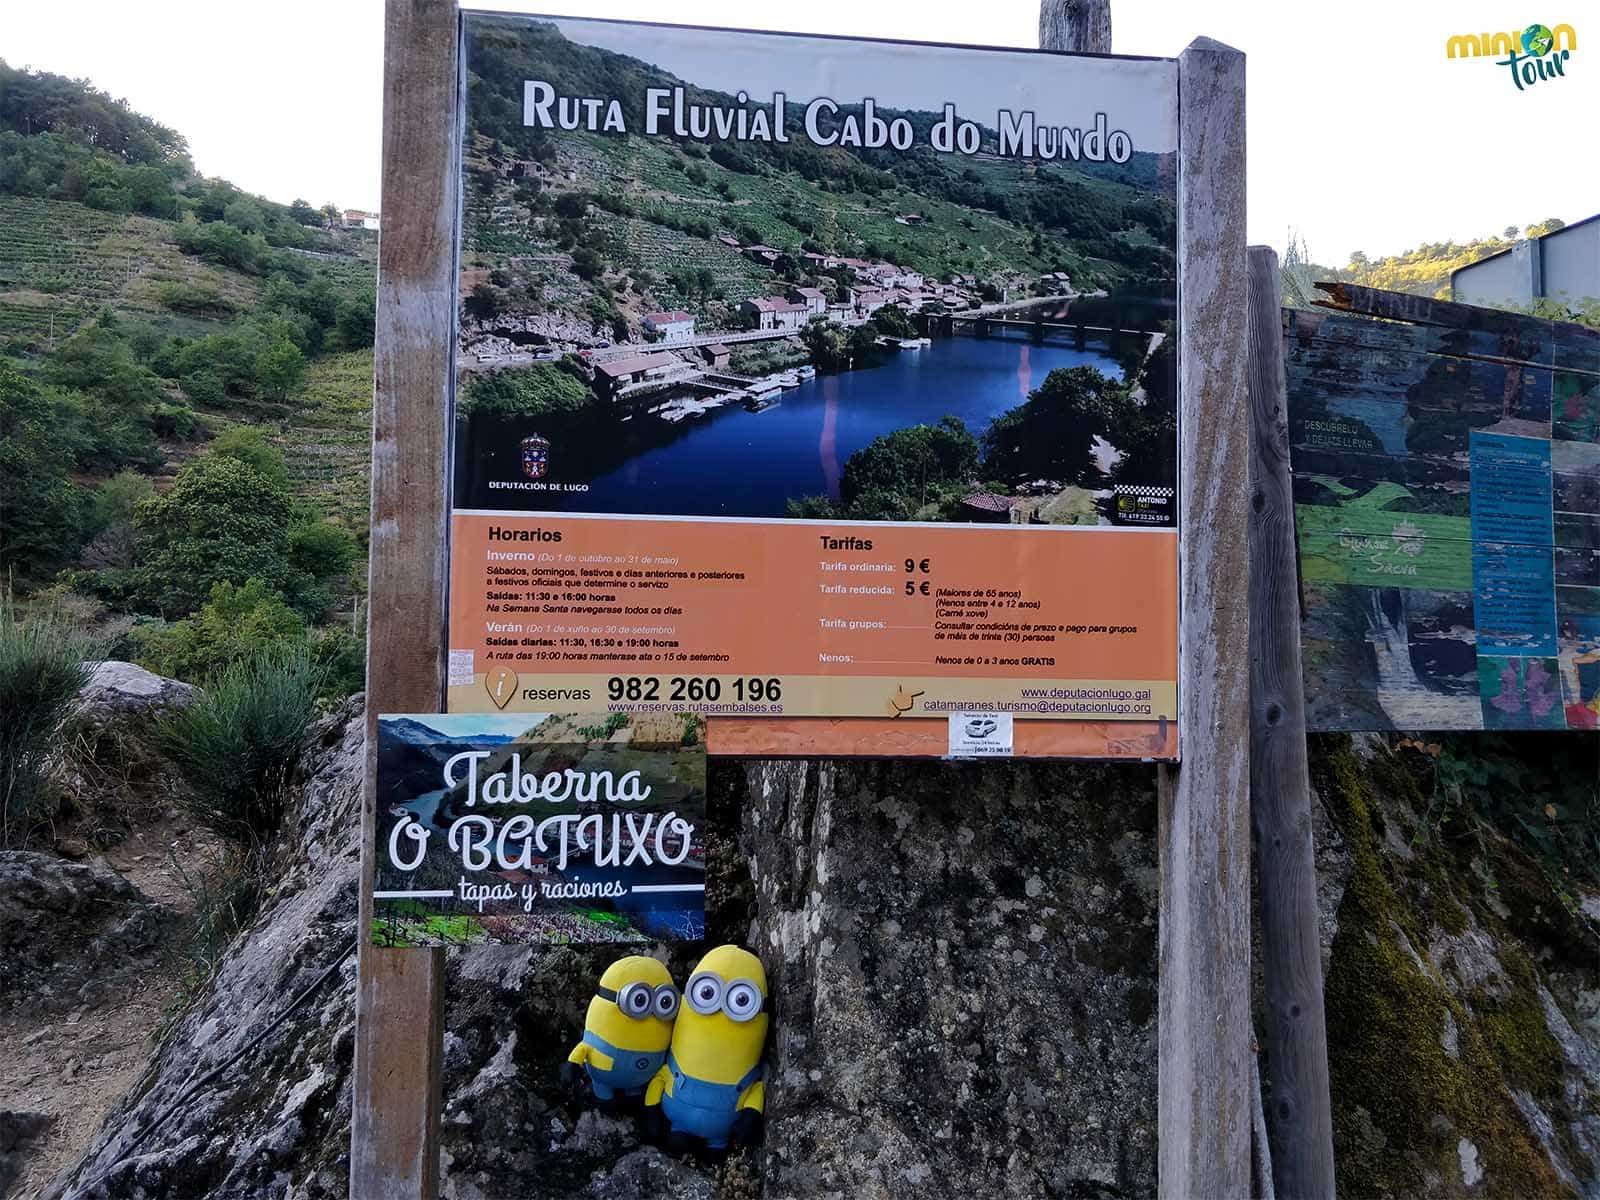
x=639 y=1000
x=740 y=999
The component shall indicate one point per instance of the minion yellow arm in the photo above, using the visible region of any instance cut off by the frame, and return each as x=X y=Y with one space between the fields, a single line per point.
x=660 y=1083
x=584 y=1053
x=754 y=1096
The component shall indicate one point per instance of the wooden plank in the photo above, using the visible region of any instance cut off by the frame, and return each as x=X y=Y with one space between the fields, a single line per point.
x=1204 y=984
x=1301 y=1124
x=1308 y=328
x=1524 y=338
x=1425 y=382
x=394 y=1131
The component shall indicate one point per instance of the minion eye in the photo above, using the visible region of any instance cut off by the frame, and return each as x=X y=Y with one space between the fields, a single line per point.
x=705 y=994
x=635 y=1000
x=666 y=1002
x=743 y=1001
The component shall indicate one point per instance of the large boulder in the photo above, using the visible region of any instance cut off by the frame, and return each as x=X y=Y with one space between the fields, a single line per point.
x=114 y=773
x=68 y=931
x=117 y=691
x=963 y=961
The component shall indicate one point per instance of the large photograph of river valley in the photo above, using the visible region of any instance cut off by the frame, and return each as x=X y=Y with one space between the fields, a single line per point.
x=688 y=324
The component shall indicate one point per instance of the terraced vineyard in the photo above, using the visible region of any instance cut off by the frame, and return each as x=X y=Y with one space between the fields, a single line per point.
x=61 y=262
x=327 y=437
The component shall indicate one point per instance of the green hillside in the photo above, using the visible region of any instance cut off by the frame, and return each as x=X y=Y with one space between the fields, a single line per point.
x=1423 y=271
x=177 y=358
x=603 y=228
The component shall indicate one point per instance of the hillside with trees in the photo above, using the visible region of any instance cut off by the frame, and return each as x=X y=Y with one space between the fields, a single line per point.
x=1422 y=271
x=590 y=251
x=185 y=374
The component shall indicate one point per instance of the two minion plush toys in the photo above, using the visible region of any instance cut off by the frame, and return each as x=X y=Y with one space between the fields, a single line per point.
x=696 y=1064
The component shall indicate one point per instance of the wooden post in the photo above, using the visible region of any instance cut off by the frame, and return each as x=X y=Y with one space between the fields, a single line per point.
x=1301 y=1119
x=1204 y=1009
x=394 y=1127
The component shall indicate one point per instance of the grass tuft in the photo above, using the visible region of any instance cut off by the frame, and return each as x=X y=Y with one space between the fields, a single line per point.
x=44 y=662
x=238 y=743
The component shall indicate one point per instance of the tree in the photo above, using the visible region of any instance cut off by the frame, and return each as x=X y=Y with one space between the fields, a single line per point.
x=248 y=444
x=38 y=503
x=586 y=264
x=827 y=343
x=303 y=213
x=903 y=470
x=222 y=522
x=1051 y=434
x=279 y=368
x=1549 y=225
x=891 y=320
x=322 y=549
x=538 y=390
x=356 y=320
x=483 y=304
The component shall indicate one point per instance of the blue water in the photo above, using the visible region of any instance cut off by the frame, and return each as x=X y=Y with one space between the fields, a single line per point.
x=732 y=462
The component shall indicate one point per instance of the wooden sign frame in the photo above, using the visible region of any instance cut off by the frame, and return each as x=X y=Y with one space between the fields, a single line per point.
x=1204 y=836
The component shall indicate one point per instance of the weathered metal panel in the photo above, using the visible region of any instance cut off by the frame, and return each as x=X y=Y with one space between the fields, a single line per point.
x=1447 y=502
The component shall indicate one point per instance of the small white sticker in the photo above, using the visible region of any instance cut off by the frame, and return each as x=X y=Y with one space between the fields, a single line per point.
x=980 y=735
x=460 y=668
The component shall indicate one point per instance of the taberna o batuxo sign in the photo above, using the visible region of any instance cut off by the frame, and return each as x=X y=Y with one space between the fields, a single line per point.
x=539 y=828
x=816 y=378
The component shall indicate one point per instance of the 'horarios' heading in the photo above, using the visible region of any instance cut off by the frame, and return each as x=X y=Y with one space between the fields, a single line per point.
x=669 y=113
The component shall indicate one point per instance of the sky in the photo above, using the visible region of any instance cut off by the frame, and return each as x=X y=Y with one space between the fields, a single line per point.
x=1362 y=134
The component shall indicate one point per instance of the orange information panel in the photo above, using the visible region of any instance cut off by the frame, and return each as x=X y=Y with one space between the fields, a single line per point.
x=774 y=619
x=823 y=389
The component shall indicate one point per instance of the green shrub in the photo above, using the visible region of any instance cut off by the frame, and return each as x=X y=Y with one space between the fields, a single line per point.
x=530 y=392
x=322 y=549
x=38 y=502
x=204 y=387
x=223 y=520
x=238 y=743
x=248 y=444
x=198 y=300
x=342 y=655
x=231 y=626
x=173 y=421
x=44 y=663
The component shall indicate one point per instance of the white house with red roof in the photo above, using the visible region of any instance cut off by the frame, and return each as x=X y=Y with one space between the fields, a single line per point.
x=673 y=325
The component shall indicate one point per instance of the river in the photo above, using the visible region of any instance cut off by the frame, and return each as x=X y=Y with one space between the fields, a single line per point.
x=732 y=462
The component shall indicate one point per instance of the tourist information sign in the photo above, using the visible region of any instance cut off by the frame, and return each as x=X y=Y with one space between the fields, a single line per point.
x=824 y=388
x=1447 y=498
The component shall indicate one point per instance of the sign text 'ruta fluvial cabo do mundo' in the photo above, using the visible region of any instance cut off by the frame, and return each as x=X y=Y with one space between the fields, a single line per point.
x=823 y=388
x=539 y=828
x=668 y=113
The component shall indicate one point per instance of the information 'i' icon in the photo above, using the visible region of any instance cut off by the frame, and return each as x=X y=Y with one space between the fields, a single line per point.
x=502 y=685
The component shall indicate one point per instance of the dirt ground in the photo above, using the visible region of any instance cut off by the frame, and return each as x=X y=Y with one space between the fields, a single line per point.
x=76 y=1067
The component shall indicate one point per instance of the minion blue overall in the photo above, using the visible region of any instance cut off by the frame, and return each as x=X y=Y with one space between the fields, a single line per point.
x=626 y=1030
x=710 y=1088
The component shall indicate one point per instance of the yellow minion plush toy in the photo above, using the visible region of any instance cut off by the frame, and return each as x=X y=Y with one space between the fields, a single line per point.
x=627 y=1029
x=710 y=1088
